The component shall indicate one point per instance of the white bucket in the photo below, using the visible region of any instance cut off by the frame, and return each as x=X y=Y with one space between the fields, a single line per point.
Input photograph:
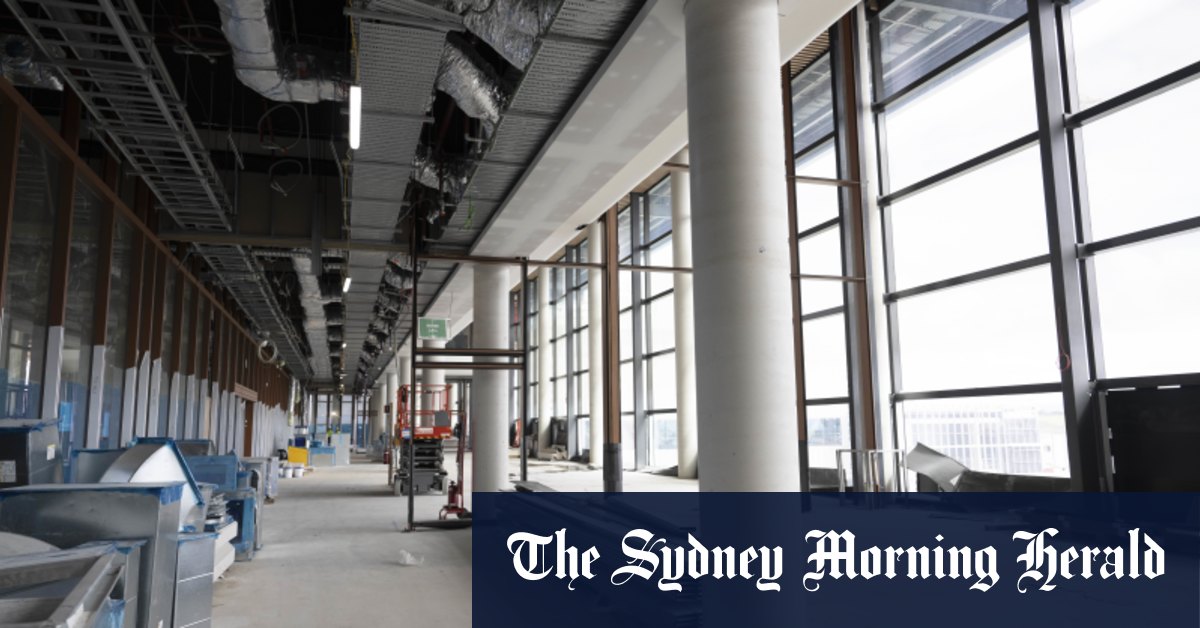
x=289 y=472
x=299 y=472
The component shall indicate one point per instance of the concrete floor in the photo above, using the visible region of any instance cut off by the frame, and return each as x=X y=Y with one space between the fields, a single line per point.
x=332 y=558
x=333 y=546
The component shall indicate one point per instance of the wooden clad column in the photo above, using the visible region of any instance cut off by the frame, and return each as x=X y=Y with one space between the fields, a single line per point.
x=10 y=143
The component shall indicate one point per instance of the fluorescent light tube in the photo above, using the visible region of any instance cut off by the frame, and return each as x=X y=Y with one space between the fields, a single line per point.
x=346 y=284
x=355 y=115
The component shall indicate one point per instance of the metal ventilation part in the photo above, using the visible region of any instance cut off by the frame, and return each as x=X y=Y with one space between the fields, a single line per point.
x=511 y=27
x=18 y=65
x=296 y=74
x=467 y=78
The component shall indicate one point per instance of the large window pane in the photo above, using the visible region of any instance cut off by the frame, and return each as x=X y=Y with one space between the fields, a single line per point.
x=660 y=324
x=984 y=105
x=1018 y=434
x=988 y=333
x=1163 y=29
x=816 y=203
x=78 y=338
x=625 y=330
x=992 y=216
x=114 y=346
x=560 y=397
x=828 y=431
x=1150 y=307
x=661 y=385
x=664 y=447
x=628 y=461
x=825 y=358
x=627 y=383
x=821 y=254
x=917 y=37
x=27 y=287
x=661 y=254
x=812 y=104
x=1137 y=159
x=658 y=205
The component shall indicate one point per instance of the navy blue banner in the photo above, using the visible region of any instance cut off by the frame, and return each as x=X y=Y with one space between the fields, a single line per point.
x=921 y=560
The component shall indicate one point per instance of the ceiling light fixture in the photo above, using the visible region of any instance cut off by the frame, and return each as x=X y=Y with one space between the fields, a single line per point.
x=355 y=115
x=346 y=284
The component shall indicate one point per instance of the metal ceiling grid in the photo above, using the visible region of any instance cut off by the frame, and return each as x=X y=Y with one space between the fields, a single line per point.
x=107 y=55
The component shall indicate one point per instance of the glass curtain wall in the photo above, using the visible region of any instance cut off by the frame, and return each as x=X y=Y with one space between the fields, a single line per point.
x=819 y=240
x=1133 y=122
x=27 y=284
x=78 y=337
x=970 y=306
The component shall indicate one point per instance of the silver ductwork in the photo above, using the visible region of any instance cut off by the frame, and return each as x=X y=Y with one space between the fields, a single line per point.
x=511 y=27
x=314 y=316
x=17 y=64
x=294 y=74
x=468 y=78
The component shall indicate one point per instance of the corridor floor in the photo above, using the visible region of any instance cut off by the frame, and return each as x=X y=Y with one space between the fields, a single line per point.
x=332 y=557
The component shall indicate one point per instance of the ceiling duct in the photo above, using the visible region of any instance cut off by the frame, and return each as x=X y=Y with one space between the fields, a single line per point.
x=291 y=74
x=450 y=177
x=314 y=317
x=511 y=27
x=18 y=65
x=470 y=80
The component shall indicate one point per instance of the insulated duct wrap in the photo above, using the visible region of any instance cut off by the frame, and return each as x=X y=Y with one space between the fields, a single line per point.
x=467 y=78
x=18 y=65
x=314 y=316
x=295 y=75
x=511 y=27
x=448 y=177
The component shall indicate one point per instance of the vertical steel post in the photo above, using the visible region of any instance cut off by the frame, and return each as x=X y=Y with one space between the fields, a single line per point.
x=524 y=416
x=1083 y=437
x=612 y=359
x=854 y=245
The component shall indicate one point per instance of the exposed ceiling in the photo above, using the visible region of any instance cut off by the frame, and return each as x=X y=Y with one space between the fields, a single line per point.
x=629 y=121
x=490 y=141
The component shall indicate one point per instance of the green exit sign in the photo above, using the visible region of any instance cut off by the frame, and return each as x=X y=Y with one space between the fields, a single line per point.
x=433 y=329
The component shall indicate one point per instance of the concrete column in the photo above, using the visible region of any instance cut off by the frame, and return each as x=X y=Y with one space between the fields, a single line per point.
x=596 y=345
x=545 y=332
x=431 y=378
x=375 y=412
x=745 y=370
x=685 y=333
x=489 y=389
x=392 y=392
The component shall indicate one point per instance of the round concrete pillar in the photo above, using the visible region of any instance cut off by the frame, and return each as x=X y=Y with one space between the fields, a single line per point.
x=685 y=335
x=489 y=389
x=595 y=339
x=746 y=397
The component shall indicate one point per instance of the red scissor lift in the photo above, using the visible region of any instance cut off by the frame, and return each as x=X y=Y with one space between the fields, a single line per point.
x=432 y=422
